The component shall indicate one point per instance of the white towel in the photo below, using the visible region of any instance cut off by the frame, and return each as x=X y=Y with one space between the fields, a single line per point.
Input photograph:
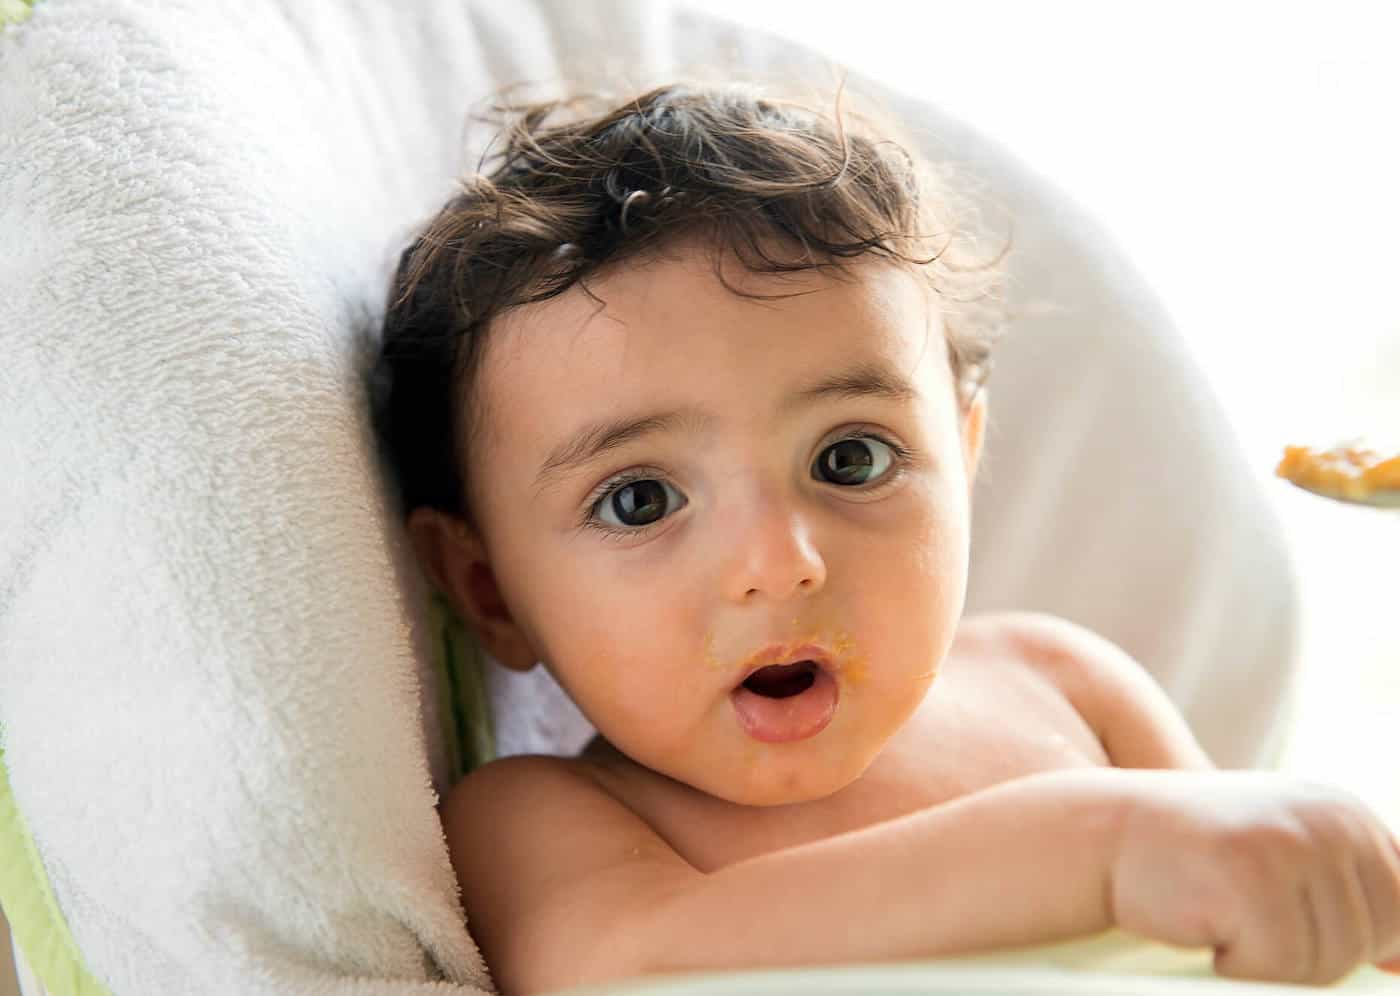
x=212 y=637
x=207 y=667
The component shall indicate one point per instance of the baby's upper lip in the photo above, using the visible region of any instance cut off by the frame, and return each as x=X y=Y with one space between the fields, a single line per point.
x=786 y=653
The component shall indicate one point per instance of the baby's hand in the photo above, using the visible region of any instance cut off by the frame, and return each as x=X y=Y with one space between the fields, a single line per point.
x=1287 y=880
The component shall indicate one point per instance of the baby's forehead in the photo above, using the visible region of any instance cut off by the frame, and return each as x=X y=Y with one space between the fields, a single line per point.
x=672 y=327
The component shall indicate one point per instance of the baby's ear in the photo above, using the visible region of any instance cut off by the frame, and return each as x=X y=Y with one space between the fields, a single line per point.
x=974 y=422
x=455 y=561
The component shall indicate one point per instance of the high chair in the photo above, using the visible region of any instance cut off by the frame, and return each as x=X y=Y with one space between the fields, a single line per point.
x=222 y=713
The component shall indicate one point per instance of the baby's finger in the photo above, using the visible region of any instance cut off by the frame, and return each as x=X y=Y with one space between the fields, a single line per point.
x=1382 y=884
x=1342 y=919
x=1278 y=943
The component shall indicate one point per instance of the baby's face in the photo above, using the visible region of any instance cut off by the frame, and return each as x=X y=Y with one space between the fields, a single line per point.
x=762 y=505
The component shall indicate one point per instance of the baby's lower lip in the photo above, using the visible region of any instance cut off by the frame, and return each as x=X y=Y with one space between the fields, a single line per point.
x=781 y=720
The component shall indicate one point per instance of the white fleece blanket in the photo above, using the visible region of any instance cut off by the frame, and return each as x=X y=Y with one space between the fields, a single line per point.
x=212 y=640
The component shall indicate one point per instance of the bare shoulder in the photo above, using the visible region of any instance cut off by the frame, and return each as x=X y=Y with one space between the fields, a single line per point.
x=1075 y=658
x=1138 y=724
x=502 y=815
x=512 y=783
x=492 y=818
x=549 y=863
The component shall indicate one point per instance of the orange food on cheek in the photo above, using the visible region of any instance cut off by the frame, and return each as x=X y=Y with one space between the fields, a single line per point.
x=712 y=660
x=854 y=668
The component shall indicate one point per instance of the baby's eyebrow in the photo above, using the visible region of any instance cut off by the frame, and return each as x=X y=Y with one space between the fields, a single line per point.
x=872 y=379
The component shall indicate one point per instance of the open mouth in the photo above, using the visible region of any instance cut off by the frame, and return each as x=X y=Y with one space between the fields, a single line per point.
x=781 y=681
x=786 y=702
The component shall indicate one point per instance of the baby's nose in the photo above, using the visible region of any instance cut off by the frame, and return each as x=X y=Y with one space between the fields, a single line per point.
x=775 y=555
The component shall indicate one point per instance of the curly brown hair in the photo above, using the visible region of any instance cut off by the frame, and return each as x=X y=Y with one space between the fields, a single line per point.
x=780 y=184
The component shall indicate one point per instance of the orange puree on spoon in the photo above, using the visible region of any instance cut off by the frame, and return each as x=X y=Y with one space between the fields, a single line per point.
x=1350 y=473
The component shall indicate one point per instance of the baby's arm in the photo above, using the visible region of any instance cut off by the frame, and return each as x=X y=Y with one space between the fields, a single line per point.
x=563 y=884
x=1288 y=881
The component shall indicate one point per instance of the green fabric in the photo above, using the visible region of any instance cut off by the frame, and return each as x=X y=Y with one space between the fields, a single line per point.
x=15 y=11
x=35 y=919
x=467 y=732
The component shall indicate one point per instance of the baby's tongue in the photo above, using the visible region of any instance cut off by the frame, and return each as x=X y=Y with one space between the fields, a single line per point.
x=767 y=714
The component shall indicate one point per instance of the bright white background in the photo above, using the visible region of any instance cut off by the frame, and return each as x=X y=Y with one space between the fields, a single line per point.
x=1247 y=157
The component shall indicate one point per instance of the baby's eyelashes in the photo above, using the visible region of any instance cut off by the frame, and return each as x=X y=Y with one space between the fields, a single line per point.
x=848 y=460
x=636 y=503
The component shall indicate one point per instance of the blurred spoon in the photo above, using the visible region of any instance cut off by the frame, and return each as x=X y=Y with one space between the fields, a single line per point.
x=1349 y=473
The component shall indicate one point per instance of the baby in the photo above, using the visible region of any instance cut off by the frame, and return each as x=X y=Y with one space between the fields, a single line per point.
x=686 y=400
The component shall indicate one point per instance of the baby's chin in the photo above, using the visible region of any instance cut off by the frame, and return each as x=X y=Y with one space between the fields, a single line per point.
x=776 y=776
x=770 y=798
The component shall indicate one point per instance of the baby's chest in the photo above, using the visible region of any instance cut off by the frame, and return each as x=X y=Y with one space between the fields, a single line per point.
x=960 y=744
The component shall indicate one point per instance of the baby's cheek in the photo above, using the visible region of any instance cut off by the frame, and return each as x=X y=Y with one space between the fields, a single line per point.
x=634 y=698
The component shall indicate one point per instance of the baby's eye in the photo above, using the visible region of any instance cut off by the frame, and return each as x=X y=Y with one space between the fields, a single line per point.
x=637 y=503
x=857 y=460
